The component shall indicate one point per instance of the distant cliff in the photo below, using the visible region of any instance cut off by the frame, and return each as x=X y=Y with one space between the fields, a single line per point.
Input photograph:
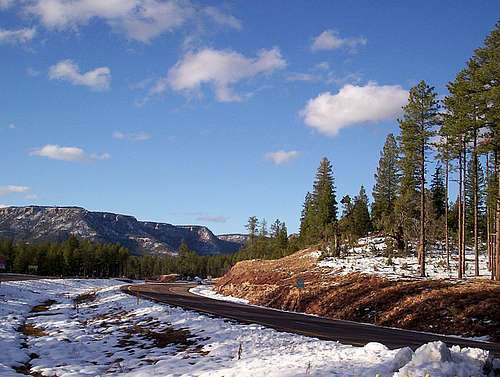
x=38 y=224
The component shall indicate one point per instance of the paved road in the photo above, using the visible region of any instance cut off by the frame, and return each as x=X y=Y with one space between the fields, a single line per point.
x=17 y=277
x=354 y=333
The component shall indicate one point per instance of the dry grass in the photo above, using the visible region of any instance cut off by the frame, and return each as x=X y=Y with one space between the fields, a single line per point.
x=85 y=298
x=28 y=329
x=43 y=307
x=181 y=338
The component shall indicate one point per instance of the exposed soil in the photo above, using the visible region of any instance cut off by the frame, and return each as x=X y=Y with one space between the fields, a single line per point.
x=28 y=329
x=43 y=307
x=467 y=308
x=85 y=298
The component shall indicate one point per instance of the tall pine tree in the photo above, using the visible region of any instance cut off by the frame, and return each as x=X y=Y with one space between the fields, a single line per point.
x=387 y=184
x=420 y=116
x=324 y=199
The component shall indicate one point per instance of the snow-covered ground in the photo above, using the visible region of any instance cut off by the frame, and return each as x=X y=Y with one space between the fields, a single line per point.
x=112 y=333
x=208 y=291
x=368 y=257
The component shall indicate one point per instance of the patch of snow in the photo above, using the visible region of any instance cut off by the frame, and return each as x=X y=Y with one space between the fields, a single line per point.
x=368 y=257
x=436 y=359
x=207 y=291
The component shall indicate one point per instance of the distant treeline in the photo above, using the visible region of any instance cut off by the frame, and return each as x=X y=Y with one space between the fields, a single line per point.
x=83 y=258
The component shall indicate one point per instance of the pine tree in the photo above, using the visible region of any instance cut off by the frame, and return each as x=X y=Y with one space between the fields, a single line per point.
x=252 y=228
x=484 y=69
x=306 y=219
x=438 y=192
x=361 y=215
x=324 y=200
x=263 y=228
x=474 y=196
x=420 y=116
x=387 y=183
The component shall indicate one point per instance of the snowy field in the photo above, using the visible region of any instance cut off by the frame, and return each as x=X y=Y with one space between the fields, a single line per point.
x=368 y=257
x=111 y=333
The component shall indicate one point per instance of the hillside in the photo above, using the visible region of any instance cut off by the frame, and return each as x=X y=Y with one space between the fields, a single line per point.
x=357 y=288
x=38 y=224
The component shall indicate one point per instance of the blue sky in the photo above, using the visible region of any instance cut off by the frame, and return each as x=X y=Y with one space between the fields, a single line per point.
x=209 y=112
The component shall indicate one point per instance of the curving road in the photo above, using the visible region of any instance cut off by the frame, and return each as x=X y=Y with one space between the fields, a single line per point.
x=354 y=333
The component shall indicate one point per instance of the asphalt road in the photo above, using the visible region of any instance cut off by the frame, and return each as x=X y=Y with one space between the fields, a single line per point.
x=18 y=277
x=354 y=333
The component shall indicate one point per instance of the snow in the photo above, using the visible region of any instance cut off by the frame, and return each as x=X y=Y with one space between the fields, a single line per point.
x=208 y=291
x=368 y=257
x=115 y=334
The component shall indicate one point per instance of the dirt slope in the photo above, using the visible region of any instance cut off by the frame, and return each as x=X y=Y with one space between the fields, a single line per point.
x=468 y=308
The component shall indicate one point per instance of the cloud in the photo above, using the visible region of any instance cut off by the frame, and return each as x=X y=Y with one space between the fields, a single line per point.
x=223 y=18
x=11 y=126
x=307 y=77
x=139 y=20
x=17 y=36
x=331 y=40
x=328 y=113
x=133 y=136
x=218 y=68
x=67 y=70
x=281 y=157
x=13 y=189
x=212 y=219
x=4 y=4
x=72 y=154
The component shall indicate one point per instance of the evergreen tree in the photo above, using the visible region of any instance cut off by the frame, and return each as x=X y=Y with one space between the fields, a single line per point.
x=346 y=223
x=324 y=201
x=484 y=69
x=361 y=216
x=438 y=192
x=252 y=228
x=263 y=228
x=387 y=182
x=306 y=219
x=474 y=176
x=420 y=116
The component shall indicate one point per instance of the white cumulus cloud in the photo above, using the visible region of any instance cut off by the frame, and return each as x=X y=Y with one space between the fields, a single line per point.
x=281 y=157
x=13 y=189
x=133 y=136
x=331 y=40
x=220 y=69
x=17 y=36
x=72 y=154
x=329 y=113
x=67 y=70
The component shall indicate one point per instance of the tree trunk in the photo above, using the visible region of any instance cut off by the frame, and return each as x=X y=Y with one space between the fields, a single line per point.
x=422 y=212
x=488 y=216
x=497 y=238
x=460 y=216
x=446 y=242
x=475 y=189
x=463 y=209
